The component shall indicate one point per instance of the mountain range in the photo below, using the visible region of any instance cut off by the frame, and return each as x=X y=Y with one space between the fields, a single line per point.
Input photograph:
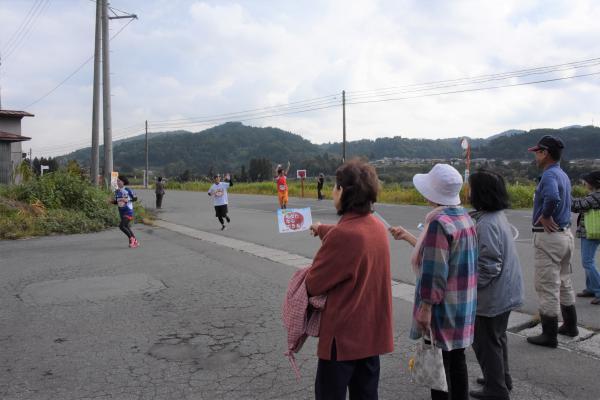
x=232 y=145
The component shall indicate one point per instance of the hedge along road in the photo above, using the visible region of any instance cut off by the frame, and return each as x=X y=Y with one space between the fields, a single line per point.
x=253 y=219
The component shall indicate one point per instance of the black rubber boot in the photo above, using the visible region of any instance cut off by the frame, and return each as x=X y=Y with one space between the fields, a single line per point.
x=569 y=326
x=549 y=332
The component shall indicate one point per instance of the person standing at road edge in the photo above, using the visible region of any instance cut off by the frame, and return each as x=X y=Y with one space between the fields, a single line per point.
x=159 y=191
x=553 y=244
x=588 y=246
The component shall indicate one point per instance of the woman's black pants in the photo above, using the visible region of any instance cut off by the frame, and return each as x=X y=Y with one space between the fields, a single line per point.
x=124 y=226
x=491 y=351
x=457 y=377
x=360 y=377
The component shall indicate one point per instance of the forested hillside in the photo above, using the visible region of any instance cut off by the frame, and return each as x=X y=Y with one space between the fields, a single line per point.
x=236 y=147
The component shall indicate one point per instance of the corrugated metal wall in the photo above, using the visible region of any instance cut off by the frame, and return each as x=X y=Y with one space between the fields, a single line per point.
x=5 y=164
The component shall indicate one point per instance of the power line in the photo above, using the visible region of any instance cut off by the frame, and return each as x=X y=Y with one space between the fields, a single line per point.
x=329 y=97
x=477 y=89
x=480 y=80
x=20 y=39
x=74 y=72
x=403 y=98
x=244 y=116
x=35 y=4
x=428 y=89
x=331 y=101
x=123 y=133
x=389 y=91
x=264 y=115
x=543 y=69
x=251 y=118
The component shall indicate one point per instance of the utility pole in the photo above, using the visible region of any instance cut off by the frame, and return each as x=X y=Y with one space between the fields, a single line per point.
x=344 y=126
x=146 y=175
x=0 y=82
x=95 y=157
x=106 y=110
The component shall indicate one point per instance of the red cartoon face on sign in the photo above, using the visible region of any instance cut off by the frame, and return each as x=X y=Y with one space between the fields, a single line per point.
x=293 y=220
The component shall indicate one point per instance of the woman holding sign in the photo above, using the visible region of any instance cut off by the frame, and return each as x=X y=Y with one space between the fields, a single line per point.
x=352 y=268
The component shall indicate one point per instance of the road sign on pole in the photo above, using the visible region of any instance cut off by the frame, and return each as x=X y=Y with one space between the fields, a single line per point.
x=301 y=174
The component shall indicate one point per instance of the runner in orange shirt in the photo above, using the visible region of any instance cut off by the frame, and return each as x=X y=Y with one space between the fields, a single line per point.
x=282 y=187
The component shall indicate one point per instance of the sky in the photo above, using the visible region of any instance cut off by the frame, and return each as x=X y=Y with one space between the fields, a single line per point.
x=208 y=60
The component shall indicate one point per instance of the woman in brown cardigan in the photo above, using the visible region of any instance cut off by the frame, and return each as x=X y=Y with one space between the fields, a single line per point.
x=352 y=268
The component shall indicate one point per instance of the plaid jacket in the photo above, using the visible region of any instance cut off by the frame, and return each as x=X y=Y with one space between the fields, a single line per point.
x=301 y=315
x=448 y=279
x=581 y=205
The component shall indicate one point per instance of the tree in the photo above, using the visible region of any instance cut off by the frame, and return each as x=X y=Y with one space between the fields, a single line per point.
x=260 y=169
x=243 y=174
x=185 y=176
x=73 y=168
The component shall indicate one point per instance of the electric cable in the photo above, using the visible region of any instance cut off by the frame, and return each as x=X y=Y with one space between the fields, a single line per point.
x=74 y=72
x=8 y=42
x=15 y=45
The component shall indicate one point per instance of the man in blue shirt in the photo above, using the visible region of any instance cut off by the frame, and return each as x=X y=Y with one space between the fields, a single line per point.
x=553 y=243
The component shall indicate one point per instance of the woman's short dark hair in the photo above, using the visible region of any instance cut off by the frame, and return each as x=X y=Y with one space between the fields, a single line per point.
x=360 y=187
x=124 y=179
x=593 y=179
x=488 y=191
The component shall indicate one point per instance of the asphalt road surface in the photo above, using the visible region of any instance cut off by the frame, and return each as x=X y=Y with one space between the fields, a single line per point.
x=85 y=317
x=254 y=219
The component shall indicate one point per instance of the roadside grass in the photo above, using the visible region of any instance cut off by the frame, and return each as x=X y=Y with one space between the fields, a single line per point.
x=521 y=196
x=57 y=203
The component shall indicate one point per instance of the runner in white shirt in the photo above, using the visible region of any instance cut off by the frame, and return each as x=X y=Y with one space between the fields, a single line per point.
x=218 y=192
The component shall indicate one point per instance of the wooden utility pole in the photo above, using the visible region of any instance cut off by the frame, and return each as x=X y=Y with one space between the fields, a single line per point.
x=344 y=126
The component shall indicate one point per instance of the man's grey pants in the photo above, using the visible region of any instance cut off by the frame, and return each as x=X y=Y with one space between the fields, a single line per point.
x=553 y=253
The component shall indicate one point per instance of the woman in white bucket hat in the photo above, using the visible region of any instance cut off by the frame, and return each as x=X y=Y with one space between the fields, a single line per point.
x=445 y=262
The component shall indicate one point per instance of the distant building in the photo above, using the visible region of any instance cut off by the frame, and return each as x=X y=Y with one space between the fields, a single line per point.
x=11 y=152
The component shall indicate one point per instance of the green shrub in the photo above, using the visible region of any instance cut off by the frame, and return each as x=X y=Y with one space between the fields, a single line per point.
x=521 y=196
x=57 y=202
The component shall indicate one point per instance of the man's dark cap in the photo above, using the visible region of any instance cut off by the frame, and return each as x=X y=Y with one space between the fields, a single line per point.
x=593 y=178
x=548 y=143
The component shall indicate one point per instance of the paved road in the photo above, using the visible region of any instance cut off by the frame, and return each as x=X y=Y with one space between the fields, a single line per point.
x=84 y=317
x=254 y=220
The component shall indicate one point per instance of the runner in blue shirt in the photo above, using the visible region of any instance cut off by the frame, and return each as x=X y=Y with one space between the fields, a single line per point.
x=124 y=198
x=218 y=192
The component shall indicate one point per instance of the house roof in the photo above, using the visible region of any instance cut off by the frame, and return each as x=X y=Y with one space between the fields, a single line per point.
x=15 y=114
x=12 y=137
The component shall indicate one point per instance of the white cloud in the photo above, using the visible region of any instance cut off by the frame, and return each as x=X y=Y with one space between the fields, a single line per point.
x=197 y=58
